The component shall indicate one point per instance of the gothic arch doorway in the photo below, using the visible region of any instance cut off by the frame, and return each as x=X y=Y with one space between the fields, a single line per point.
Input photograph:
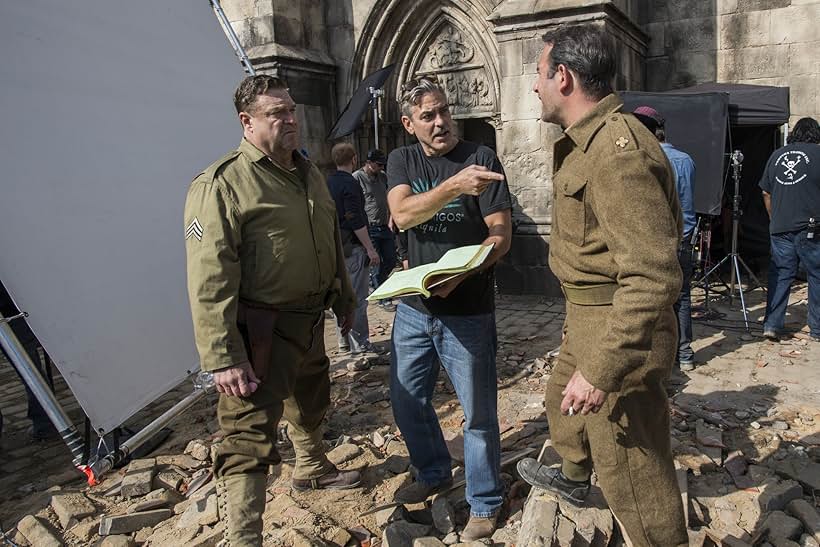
x=450 y=40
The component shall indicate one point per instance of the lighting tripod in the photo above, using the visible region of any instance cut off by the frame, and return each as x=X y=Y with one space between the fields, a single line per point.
x=733 y=257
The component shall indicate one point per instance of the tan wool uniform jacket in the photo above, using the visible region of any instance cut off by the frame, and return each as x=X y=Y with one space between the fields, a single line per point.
x=260 y=233
x=617 y=222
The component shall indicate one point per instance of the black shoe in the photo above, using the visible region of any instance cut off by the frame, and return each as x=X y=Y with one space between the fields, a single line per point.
x=552 y=479
x=418 y=492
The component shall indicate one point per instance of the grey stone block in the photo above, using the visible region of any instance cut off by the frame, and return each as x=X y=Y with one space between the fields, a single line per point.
x=137 y=484
x=808 y=515
x=402 y=534
x=198 y=449
x=444 y=516
x=72 y=508
x=538 y=521
x=126 y=524
x=117 y=541
x=37 y=533
x=805 y=472
x=780 y=525
x=390 y=515
x=344 y=453
x=208 y=538
x=200 y=512
x=776 y=496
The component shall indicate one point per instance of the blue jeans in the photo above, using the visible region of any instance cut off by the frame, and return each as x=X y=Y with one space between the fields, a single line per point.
x=788 y=249
x=385 y=243
x=466 y=347
x=359 y=336
x=683 y=307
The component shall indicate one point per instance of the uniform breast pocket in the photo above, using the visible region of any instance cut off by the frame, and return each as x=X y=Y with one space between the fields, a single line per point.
x=570 y=207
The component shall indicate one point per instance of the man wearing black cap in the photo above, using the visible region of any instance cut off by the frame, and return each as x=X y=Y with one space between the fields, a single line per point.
x=373 y=181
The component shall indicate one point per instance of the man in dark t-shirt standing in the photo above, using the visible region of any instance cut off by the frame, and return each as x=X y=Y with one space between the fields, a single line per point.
x=791 y=193
x=448 y=193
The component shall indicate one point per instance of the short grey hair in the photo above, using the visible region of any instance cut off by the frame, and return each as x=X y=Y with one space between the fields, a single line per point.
x=412 y=92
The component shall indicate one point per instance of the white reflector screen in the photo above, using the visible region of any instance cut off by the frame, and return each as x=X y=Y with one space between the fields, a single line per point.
x=108 y=110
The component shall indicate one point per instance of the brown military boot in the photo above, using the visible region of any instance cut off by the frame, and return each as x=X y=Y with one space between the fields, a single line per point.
x=241 y=504
x=334 y=480
x=478 y=528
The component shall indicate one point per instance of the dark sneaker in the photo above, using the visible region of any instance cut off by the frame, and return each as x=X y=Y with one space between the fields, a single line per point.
x=335 y=480
x=419 y=491
x=367 y=348
x=770 y=334
x=552 y=479
x=478 y=528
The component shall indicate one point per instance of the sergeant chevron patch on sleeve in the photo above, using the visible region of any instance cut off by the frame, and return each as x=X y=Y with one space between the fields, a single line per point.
x=194 y=229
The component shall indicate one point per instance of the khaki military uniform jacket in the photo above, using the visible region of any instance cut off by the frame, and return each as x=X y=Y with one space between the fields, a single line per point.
x=258 y=232
x=617 y=221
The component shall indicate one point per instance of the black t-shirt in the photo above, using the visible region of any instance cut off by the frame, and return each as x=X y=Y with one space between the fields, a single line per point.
x=459 y=223
x=792 y=177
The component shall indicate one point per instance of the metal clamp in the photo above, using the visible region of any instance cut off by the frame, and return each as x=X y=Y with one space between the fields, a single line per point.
x=21 y=315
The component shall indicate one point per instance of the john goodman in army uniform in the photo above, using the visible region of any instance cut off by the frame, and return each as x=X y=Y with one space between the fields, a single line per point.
x=264 y=262
x=616 y=229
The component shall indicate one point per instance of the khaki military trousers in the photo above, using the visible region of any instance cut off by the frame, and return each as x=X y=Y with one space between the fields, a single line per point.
x=627 y=441
x=297 y=386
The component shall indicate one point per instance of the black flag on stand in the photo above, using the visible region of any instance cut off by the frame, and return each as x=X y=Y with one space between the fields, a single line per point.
x=351 y=116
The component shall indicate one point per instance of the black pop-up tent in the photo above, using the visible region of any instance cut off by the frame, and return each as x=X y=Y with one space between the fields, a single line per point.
x=711 y=120
x=749 y=104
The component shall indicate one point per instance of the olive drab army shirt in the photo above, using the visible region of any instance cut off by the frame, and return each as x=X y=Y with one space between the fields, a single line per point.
x=258 y=232
x=616 y=220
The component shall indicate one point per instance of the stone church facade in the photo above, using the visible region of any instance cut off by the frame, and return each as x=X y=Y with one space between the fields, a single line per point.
x=484 y=53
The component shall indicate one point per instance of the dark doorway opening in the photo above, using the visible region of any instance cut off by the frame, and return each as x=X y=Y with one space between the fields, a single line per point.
x=478 y=130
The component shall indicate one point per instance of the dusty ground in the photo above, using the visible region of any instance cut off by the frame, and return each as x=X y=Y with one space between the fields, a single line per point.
x=753 y=386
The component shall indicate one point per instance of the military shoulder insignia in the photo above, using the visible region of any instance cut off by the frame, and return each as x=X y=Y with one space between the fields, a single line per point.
x=194 y=229
x=622 y=142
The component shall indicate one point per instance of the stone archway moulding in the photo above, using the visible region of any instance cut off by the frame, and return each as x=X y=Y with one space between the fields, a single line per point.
x=451 y=39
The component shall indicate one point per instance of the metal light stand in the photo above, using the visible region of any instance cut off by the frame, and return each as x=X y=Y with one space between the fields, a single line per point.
x=733 y=256
x=374 y=101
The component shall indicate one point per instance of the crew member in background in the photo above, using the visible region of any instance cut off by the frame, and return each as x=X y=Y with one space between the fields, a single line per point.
x=791 y=193
x=358 y=248
x=373 y=182
x=684 y=170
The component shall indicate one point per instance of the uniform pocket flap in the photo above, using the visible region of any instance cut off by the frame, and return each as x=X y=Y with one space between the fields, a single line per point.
x=569 y=185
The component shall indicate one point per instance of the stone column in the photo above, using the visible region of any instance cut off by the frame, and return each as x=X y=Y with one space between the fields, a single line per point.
x=288 y=39
x=525 y=143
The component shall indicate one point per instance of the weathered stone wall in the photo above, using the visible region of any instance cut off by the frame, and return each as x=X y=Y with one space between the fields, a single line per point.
x=525 y=143
x=324 y=48
x=764 y=42
x=290 y=39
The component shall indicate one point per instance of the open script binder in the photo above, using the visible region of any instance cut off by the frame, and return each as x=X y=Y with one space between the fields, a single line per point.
x=421 y=279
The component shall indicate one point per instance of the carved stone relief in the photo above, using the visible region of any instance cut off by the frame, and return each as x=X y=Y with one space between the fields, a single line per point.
x=449 y=49
x=468 y=89
x=460 y=70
